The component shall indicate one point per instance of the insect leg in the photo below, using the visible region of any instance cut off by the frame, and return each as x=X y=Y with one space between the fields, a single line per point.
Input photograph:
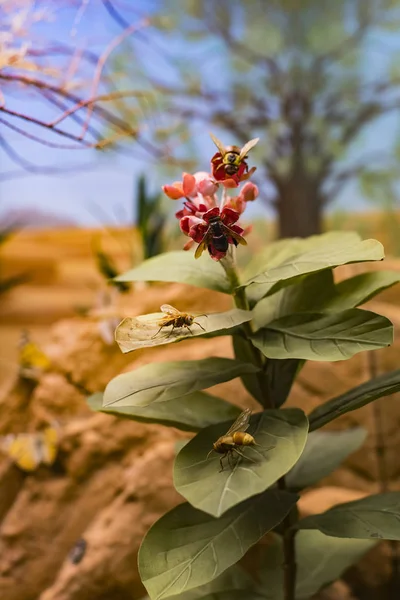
x=221 y=463
x=242 y=455
x=171 y=332
x=156 y=334
x=201 y=326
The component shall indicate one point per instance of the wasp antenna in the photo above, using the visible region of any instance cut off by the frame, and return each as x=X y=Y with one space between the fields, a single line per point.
x=212 y=450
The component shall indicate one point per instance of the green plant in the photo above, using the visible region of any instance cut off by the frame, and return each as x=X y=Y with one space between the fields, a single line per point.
x=150 y=219
x=287 y=309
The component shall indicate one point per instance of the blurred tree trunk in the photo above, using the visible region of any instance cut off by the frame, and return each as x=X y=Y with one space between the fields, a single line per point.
x=299 y=207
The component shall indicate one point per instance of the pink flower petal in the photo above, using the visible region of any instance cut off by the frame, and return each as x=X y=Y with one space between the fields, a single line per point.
x=188 y=184
x=229 y=216
x=173 y=191
x=249 y=192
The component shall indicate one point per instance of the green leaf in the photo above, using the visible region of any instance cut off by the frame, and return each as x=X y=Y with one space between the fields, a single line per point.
x=320 y=560
x=144 y=331
x=279 y=376
x=324 y=336
x=309 y=295
x=244 y=351
x=361 y=288
x=233 y=583
x=330 y=255
x=277 y=253
x=373 y=517
x=323 y=453
x=363 y=394
x=181 y=267
x=187 y=548
x=160 y=382
x=198 y=410
x=280 y=435
x=323 y=559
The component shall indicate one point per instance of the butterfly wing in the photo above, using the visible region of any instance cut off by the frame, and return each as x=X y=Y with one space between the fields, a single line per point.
x=241 y=423
x=48 y=445
x=23 y=450
x=31 y=357
x=169 y=310
x=247 y=147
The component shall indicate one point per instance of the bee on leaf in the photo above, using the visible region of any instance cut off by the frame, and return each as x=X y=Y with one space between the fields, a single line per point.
x=177 y=319
x=235 y=438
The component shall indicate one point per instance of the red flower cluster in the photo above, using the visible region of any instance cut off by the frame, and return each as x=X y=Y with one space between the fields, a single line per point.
x=210 y=225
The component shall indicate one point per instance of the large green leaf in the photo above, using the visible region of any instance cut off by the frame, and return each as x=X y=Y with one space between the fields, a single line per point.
x=328 y=256
x=323 y=453
x=253 y=382
x=144 y=331
x=280 y=435
x=279 y=376
x=323 y=559
x=324 y=336
x=196 y=411
x=320 y=560
x=308 y=295
x=363 y=394
x=233 y=584
x=317 y=292
x=159 y=382
x=180 y=266
x=277 y=253
x=373 y=517
x=361 y=288
x=187 y=548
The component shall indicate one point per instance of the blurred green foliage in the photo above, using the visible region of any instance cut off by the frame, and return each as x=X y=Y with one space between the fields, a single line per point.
x=151 y=219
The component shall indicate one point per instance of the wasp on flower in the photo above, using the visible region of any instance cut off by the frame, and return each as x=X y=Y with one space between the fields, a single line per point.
x=211 y=223
x=230 y=162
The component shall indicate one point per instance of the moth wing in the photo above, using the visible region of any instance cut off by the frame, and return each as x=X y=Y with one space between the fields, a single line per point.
x=241 y=423
x=23 y=450
x=169 y=310
x=247 y=147
x=219 y=144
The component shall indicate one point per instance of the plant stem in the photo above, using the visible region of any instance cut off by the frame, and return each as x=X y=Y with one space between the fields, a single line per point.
x=383 y=476
x=289 y=550
x=240 y=299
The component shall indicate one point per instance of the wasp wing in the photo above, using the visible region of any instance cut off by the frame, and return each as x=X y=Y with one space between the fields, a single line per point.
x=169 y=310
x=241 y=423
x=234 y=235
x=200 y=248
x=219 y=144
x=247 y=147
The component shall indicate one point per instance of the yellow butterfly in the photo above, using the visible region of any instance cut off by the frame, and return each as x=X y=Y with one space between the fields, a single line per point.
x=29 y=450
x=32 y=360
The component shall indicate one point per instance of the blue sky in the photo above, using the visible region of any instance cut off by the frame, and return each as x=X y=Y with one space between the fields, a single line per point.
x=101 y=188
